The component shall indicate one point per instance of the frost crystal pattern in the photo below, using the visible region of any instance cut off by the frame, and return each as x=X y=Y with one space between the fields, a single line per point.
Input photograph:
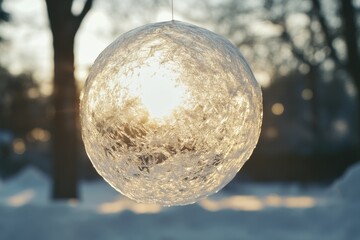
x=170 y=112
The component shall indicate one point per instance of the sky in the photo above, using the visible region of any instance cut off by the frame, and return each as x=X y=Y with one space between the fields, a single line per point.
x=29 y=43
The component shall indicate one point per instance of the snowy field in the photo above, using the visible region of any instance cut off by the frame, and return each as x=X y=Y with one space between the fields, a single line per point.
x=245 y=211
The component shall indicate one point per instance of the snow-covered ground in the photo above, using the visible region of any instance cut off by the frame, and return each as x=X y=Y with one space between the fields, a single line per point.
x=243 y=211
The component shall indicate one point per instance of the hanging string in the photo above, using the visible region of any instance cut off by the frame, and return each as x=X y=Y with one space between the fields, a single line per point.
x=172 y=10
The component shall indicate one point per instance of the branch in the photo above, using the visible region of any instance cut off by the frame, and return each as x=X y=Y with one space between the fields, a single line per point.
x=59 y=13
x=86 y=9
x=328 y=36
x=347 y=11
x=78 y=19
x=297 y=53
x=4 y=16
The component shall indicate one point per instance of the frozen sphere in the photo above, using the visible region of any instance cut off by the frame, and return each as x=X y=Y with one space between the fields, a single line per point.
x=170 y=112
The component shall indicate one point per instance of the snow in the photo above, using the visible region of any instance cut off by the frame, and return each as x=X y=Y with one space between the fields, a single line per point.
x=348 y=186
x=242 y=211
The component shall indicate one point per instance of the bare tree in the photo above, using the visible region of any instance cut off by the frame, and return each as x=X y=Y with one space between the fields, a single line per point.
x=351 y=36
x=64 y=26
x=313 y=40
x=4 y=16
x=315 y=45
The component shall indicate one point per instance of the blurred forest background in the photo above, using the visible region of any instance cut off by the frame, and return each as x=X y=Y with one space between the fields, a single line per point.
x=304 y=53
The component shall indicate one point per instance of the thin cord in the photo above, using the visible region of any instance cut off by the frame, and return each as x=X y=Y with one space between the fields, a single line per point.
x=172 y=10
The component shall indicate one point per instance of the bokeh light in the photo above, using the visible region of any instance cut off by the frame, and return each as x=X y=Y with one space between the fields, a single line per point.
x=277 y=109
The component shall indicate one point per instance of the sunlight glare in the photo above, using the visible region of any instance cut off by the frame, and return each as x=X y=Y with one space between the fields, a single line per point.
x=156 y=84
x=237 y=203
x=21 y=198
x=257 y=203
x=123 y=204
x=299 y=202
x=263 y=78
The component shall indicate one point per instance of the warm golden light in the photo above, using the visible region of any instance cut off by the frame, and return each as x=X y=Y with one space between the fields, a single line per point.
x=299 y=202
x=19 y=146
x=170 y=112
x=21 y=198
x=157 y=90
x=40 y=134
x=274 y=201
x=277 y=109
x=33 y=93
x=236 y=203
x=124 y=204
x=257 y=203
x=271 y=132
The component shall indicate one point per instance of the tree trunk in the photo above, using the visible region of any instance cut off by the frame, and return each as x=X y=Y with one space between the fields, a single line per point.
x=64 y=25
x=348 y=14
x=65 y=99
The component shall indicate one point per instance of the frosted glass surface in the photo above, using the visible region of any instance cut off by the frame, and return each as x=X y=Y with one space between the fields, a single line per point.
x=170 y=112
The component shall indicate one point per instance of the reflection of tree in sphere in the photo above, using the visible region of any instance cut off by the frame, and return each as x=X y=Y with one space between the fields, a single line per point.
x=170 y=112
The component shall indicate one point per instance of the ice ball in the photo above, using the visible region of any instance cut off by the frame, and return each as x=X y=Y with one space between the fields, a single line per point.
x=169 y=113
